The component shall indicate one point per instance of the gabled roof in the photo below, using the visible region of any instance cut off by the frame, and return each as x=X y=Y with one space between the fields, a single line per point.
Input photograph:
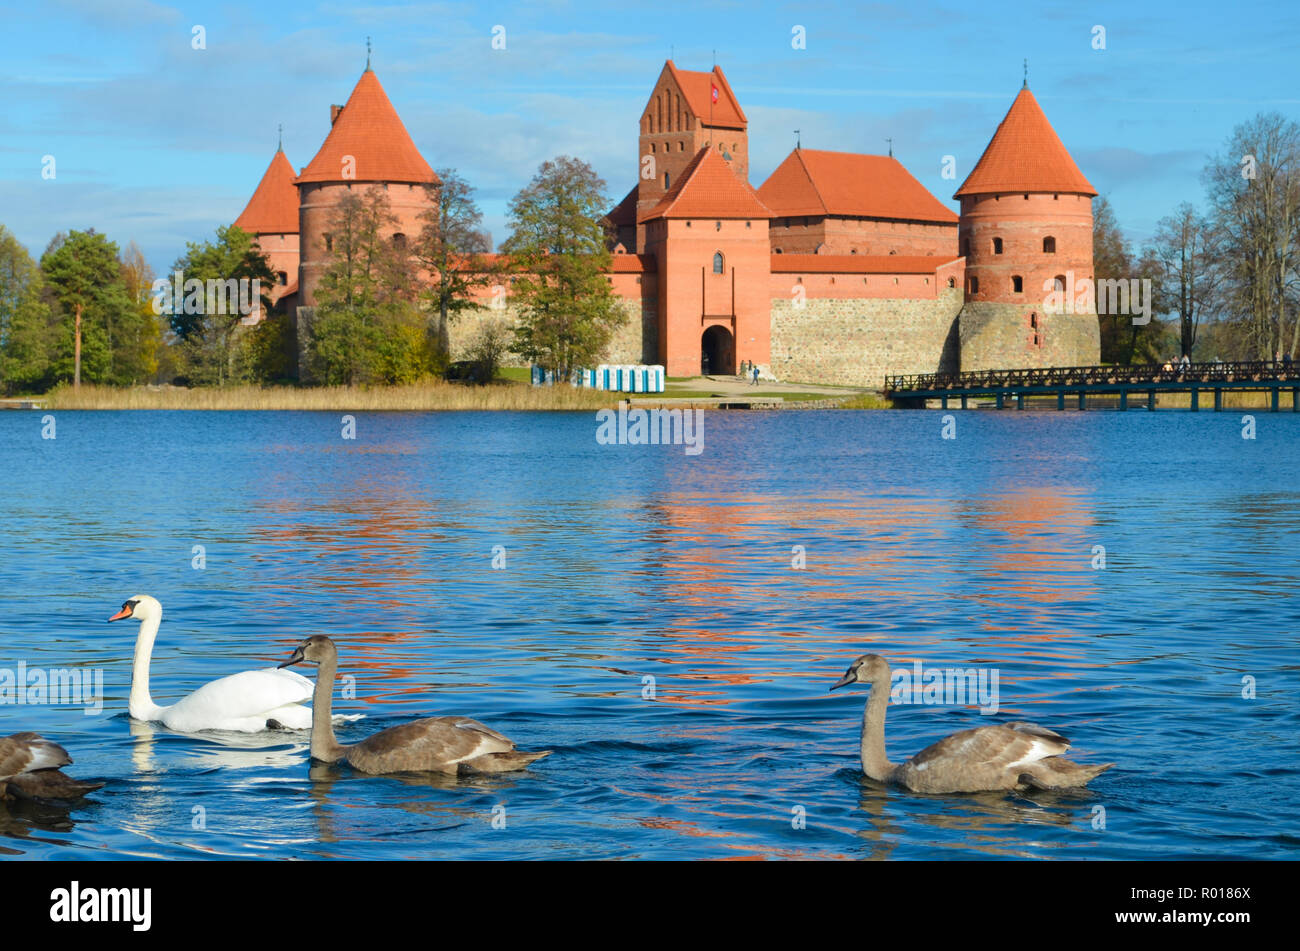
x=624 y=213
x=859 y=263
x=369 y=129
x=697 y=90
x=708 y=188
x=273 y=209
x=813 y=182
x=1025 y=155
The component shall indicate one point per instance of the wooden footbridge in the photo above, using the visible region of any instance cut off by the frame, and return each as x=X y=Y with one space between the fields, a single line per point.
x=1076 y=384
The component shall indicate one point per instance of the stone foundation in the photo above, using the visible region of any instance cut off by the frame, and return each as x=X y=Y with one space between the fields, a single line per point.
x=999 y=336
x=858 y=342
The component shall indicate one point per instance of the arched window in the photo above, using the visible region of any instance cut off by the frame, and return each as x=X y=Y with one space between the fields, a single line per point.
x=717 y=262
x=1049 y=245
x=997 y=245
x=665 y=181
x=1059 y=282
x=1017 y=283
x=399 y=241
x=283 y=277
x=952 y=282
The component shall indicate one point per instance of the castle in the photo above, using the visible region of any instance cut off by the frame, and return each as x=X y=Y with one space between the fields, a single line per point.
x=840 y=268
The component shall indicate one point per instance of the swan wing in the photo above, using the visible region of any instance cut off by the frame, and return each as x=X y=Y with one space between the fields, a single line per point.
x=431 y=743
x=251 y=693
x=29 y=752
x=998 y=748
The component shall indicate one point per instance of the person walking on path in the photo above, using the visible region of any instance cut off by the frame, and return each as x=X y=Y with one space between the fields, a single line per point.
x=755 y=383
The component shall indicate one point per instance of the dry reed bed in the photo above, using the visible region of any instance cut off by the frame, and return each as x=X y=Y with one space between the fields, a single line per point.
x=419 y=396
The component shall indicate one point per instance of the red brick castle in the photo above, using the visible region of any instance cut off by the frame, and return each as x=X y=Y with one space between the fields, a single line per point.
x=839 y=268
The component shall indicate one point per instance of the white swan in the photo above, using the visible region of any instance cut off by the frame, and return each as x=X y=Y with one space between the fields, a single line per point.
x=246 y=702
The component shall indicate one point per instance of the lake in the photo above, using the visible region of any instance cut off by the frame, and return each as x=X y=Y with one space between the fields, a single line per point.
x=668 y=624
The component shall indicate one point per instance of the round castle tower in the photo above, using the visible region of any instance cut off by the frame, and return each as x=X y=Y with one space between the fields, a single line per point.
x=367 y=146
x=1025 y=230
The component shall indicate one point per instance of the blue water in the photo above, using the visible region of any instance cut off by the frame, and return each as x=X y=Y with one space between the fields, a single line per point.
x=623 y=562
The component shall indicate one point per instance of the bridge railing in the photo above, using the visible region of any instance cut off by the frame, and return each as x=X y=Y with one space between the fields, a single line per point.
x=1252 y=371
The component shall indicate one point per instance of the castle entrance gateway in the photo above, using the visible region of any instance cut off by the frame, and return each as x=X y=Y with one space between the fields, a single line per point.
x=717 y=352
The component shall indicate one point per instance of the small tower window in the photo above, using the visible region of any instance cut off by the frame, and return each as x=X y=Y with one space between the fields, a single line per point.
x=329 y=242
x=665 y=181
x=283 y=278
x=1059 y=282
x=974 y=285
x=717 y=226
x=997 y=245
x=399 y=241
x=1049 y=245
x=952 y=282
x=1033 y=320
x=1017 y=283
x=965 y=246
x=717 y=262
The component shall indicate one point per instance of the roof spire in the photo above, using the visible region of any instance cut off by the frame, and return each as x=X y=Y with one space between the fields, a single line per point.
x=367 y=53
x=891 y=147
x=798 y=141
x=280 y=147
x=1025 y=84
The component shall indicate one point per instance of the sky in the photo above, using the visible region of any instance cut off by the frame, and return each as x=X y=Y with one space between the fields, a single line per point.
x=157 y=142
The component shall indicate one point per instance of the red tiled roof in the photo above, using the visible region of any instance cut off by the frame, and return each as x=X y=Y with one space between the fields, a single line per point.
x=698 y=89
x=633 y=263
x=813 y=182
x=369 y=130
x=624 y=213
x=859 y=263
x=273 y=209
x=1025 y=155
x=708 y=188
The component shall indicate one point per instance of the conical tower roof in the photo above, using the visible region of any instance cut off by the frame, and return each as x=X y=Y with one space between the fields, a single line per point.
x=273 y=209
x=1025 y=155
x=369 y=130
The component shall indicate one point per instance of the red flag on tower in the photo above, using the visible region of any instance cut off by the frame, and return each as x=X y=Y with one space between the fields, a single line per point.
x=713 y=90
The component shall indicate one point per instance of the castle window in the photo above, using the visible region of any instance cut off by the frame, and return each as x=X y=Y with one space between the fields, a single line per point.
x=717 y=262
x=399 y=241
x=777 y=251
x=974 y=285
x=1033 y=321
x=681 y=146
x=997 y=245
x=1049 y=245
x=283 y=278
x=717 y=226
x=665 y=181
x=652 y=148
x=854 y=251
x=748 y=224
x=329 y=242
x=1026 y=196
x=1059 y=282
x=1017 y=283
x=952 y=282
x=965 y=247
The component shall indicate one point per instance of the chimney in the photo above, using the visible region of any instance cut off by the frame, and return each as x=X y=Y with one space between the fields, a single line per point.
x=334 y=113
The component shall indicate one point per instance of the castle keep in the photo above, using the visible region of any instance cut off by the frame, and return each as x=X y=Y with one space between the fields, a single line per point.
x=840 y=268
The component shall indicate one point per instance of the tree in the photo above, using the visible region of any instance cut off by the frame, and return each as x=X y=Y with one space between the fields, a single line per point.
x=97 y=321
x=26 y=338
x=450 y=249
x=1255 y=200
x=143 y=335
x=218 y=291
x=1123 y=340
x=1184 y=248
x=367 y=327
x=557 y=248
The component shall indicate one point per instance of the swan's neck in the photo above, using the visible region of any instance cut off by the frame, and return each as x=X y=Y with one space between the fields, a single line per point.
x=139 y=704
x=874 y=761
x=324 y=746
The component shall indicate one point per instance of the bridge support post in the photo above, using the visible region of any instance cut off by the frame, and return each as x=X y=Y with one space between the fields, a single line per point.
x=1295 y=400
x=1218 y=398
x=963 y=401
x=999 y=403
x=1196 y=399
x=1123 y=400
x=943 y=401
x=1273 y=401
x=1083 y=400
x=1060 y=399
x=1151 y=400
x=1020 y=401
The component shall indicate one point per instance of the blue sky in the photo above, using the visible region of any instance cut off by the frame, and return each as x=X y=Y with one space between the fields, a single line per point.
x=160 y=143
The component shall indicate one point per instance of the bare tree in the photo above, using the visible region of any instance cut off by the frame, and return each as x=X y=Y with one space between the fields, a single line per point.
x=1184 y=248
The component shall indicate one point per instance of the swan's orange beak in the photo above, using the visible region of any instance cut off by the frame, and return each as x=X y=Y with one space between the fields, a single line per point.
x=124 y=613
